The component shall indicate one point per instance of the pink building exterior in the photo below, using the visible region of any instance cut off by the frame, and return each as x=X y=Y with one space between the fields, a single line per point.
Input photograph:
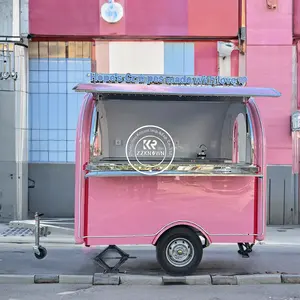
x=154 y=36
x=270 y=60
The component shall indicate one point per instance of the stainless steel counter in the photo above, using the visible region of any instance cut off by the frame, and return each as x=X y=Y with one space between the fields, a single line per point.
x=175 y=169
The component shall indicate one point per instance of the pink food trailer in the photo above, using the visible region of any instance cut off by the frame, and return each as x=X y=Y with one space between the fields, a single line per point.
x=177 y=163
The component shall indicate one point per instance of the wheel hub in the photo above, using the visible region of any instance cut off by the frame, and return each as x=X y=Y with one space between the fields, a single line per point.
x=180 y=252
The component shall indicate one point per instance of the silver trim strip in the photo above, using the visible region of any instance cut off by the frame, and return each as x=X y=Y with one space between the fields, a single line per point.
x=100 y=174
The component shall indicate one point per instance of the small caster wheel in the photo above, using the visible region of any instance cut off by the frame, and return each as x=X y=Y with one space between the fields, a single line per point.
x=42 y=254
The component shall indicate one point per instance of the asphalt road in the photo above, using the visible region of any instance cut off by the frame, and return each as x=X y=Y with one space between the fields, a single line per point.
x=49 y=292
x=68 y=259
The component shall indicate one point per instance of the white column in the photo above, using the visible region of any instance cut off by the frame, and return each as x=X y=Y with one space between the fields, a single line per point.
x=16 y=18
x=21 y=131
x=13 y=117
x=24 y=18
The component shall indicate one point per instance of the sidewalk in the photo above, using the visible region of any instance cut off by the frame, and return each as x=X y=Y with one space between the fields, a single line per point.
x=276 y=261
x=276 y=235
x=282 y=235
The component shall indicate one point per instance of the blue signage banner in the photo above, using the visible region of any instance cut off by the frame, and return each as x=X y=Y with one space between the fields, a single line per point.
x=167 y=79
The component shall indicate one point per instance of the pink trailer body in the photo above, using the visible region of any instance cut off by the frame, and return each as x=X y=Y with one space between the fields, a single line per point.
x=139 y=209
x=124 y=208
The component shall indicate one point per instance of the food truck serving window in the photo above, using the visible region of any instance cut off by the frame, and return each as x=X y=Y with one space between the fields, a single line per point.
x=203 y=125
x=189 y=124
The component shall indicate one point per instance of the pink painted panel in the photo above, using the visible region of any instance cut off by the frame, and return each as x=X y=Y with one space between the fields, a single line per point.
x=206 y=58
x=235 y=64
x=120 y=206
x=235 y=58
x=271 y=66
x=102 y=56
x=269 y=26
x=296 y=12
x=64 y=17
x=214 y=18
x=156 y=17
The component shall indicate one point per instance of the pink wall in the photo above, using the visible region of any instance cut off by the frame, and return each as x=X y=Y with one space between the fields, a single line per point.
x=156 y=17
x=296 y=12
x=213 y=17
x=141 y=18
x=206 y=58
x=64 y=17
x=269 y=63
x=269 y=27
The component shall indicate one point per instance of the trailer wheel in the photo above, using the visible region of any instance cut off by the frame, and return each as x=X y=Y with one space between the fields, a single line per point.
x=179 y=251
x=42 y=253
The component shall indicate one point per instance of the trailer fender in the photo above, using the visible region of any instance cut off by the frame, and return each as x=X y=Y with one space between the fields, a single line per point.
x=195 y=227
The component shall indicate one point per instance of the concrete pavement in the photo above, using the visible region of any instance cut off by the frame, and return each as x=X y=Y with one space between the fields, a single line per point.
x=69 y=263
x=270 y=261
x=217 y=260
x=79 y=292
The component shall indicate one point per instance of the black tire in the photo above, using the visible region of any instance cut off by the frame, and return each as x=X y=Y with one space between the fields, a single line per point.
x=42 y=254
x=189 y=240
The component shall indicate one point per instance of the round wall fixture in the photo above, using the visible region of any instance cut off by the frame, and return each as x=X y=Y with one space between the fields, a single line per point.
x=112 y=12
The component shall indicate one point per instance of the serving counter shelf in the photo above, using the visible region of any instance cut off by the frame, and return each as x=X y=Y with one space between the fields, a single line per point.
x=110 y=169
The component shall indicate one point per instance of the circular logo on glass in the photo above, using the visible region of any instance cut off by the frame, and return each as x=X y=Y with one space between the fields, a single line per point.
x=150 y=150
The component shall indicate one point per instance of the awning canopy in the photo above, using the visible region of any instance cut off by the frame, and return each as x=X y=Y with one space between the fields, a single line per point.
x=165 y=90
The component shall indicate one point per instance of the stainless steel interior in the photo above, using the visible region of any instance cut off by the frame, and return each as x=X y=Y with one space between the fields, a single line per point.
x=190 y=123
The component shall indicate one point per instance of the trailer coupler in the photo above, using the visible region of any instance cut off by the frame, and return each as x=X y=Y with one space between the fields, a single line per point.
x=99 y=259
x=39 y=251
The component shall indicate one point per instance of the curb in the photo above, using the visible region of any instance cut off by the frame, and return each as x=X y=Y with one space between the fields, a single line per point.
x=125 y=279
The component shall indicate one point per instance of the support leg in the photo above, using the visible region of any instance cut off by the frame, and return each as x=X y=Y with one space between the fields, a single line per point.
x=122 y=259
x=39 y=251
x=242 y=251
x=248 y=247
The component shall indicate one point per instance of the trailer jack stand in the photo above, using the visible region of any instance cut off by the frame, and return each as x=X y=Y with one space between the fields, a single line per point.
x=39 y=251
x=245 y=249
x=99 y=259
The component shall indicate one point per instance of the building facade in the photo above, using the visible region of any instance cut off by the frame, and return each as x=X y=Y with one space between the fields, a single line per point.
x=13 y=109
x=67 y=39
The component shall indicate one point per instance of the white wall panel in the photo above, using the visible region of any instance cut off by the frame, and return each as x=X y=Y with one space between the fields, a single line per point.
x=136 y=57
x=6 y=14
